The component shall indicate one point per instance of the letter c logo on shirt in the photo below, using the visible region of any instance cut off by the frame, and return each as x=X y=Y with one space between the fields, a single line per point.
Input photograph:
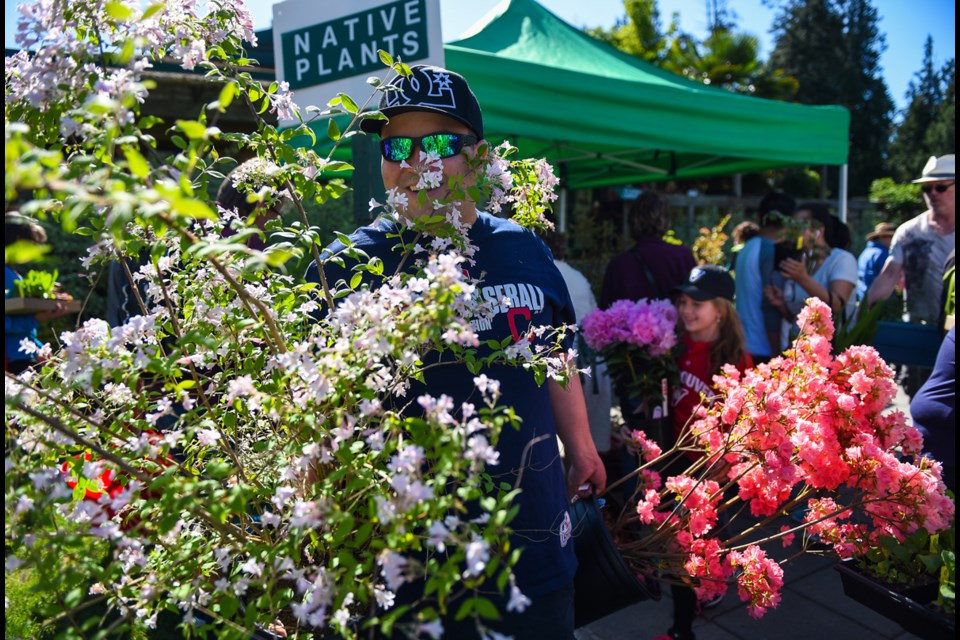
x=512 y=320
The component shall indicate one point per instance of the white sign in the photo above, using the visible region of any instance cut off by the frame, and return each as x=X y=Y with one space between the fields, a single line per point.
x=331 y=47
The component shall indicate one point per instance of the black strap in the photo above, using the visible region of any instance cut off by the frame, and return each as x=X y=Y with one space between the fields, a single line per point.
x=654 y=285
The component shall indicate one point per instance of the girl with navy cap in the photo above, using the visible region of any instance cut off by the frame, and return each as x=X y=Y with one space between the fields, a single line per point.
x=712 y=336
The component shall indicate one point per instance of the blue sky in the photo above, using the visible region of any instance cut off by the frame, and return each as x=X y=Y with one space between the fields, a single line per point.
x=905 y=23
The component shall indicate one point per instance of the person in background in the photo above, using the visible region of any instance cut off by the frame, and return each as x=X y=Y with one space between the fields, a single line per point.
x=826 y=270
x=755 y=266
x=740 y=235
x=948 y=299
x=597 y=390
x=20 y=327
x=872 y=258
x=920 y=246
x=652 y=267
x=506 y=256
x=918 y=253
x=933 y=410
x=712 y=337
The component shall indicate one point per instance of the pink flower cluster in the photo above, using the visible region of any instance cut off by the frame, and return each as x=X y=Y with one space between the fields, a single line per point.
x=644 y=323
x=805 y=431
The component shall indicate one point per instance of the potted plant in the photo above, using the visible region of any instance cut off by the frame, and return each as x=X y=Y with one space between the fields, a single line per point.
x=39 y=291
x=911 y=581
x=805 y=432
x=637 y=340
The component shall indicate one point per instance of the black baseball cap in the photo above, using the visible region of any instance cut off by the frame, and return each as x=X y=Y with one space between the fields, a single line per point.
x=707 y=282
x=433 y=89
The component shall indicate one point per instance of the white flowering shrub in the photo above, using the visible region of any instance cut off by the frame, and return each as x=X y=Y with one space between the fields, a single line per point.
x=238 y=450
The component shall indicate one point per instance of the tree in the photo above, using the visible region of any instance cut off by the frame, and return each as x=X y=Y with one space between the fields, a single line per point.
x=637 y=32
x=727 y=58
x=833 y=49
x=928 y=106
x=730 y=60
x=942 y=136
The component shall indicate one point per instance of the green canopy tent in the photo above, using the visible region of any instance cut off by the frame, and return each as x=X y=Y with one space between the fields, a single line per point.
x=605 y=118
x=609 y=118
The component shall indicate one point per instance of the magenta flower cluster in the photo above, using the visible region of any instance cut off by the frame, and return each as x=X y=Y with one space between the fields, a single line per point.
x=650 y=324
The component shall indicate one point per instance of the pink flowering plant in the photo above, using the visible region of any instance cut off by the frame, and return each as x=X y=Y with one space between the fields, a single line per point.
x=636 y=339
x=223 y=458
x=805 y=433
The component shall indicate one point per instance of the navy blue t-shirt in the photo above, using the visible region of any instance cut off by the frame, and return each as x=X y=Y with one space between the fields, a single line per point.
x=514 y=264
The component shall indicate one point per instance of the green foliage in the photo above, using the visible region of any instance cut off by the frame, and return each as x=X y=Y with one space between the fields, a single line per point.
x=833 y=50
x=38 y=284
x=729 y=60
x=23 y=252
x=898 y=202
x=638 y=32
x=726 y=58
x=918 y=557
x=941 y=136
x=925 y=96
x=23 y=605
x=863 y=330
x=800 y=183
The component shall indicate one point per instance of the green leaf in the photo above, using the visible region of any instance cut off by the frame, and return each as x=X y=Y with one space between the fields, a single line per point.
x=23 y=251
x=192 y=208
x=333 y=131
x=152 y=10
x=278 y=257
x=348 y=103
x=338 y=166
x=192 y=129
x=355 y=280
x=227 y=94
x=385 y=58
x=118 y=11
x=137 y=163
x=126 y=53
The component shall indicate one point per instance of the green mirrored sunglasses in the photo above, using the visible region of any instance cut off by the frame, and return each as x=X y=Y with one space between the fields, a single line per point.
x=444 y=145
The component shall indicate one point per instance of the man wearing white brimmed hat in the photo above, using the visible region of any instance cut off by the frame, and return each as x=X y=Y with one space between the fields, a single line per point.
x=919 y=252
x=921 y=246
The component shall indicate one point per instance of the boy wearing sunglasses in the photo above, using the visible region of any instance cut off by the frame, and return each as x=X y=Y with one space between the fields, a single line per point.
x=430 y=147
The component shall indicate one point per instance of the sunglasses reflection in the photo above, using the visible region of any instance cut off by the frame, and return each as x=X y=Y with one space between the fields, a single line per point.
x=443 y=145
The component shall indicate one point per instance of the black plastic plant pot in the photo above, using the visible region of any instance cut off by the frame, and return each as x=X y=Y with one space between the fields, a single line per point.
x=907 y=607
x=604 y=582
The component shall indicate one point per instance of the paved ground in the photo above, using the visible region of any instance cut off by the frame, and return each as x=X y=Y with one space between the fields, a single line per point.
x=813 y=607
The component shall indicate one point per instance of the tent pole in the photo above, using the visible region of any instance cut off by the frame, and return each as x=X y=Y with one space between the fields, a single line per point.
x=562 y=211
x=844 y=176
x=562 y=200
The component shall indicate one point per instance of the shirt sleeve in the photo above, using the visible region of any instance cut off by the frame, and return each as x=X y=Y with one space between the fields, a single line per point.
x=896 y=245
x=845 y=269
x=20 y=324
x=771 y=315
x=767 y=267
